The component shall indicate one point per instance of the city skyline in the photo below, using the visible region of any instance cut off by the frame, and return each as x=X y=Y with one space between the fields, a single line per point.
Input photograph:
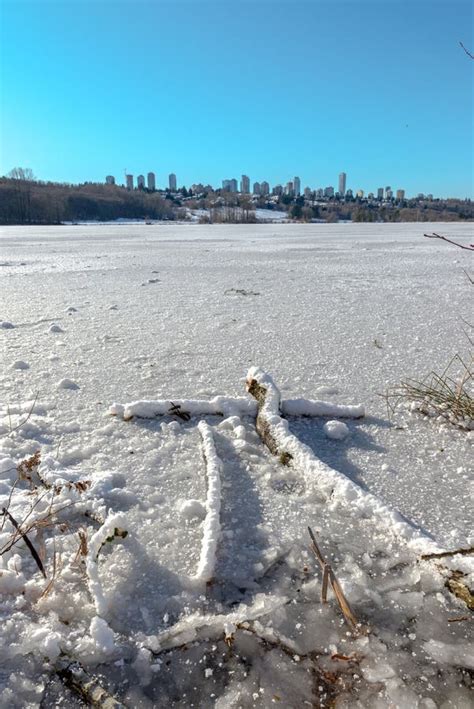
x=264 y=188
x=335 y=86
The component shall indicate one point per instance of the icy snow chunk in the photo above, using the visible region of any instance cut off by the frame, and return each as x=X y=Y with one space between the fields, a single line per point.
x=102 y=634
x=336 y=430
x=71 y=309
x=67 y=384
x=46 y=642
x=192 y=509
x=11 y=582
x=460 y=654
x=54 y=327
x=6 y=325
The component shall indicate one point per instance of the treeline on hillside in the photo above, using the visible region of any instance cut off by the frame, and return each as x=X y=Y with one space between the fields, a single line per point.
x=442 y=211
x=25 y=201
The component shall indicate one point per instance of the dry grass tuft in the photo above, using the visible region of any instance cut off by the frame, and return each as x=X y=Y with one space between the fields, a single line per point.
x=448 y=394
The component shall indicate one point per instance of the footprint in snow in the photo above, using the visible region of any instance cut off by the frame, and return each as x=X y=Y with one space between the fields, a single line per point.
x=71 y=310
x=6 y=325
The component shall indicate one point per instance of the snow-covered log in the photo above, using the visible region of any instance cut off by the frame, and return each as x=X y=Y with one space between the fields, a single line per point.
x=75 y=677
x=310 y=407
x=274 y=431
x=218 y=406
x=212 y=525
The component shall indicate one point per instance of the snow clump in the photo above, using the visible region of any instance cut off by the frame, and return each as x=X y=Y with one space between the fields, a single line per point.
x=337 y=430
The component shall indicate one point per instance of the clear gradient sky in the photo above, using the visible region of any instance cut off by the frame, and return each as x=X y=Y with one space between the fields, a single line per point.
x=211 y=89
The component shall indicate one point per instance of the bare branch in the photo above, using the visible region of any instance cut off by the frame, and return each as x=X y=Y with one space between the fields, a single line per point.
x=469 y=247
x=467 y=52
x=30 y=546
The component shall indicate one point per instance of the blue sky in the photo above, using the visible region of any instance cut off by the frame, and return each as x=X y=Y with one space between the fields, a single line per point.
x=208 y=90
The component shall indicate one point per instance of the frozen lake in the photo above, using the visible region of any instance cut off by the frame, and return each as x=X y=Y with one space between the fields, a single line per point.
x=349 y=309
x=97 y=314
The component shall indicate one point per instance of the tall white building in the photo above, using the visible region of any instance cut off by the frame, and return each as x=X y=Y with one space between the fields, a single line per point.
x=226 y=185
x=129 y=179
x=289 y=189
x=329 y=191
x=256 y=188
x=141 y=182
x=380 y=193
x=150 y=180
x=387 y=190
x=297 y=186
x=264 y=188
x=307 y=192
x=110 y=180
x=172 y=182
x=245 y=184
x=233 y=185
x=400 y=195
x=342 y=183
x=277 y=190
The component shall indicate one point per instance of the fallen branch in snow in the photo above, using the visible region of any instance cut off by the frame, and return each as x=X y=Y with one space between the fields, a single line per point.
x=329 y=576
x=212 y=525
x=469 y=247
x=112 y=528
x=75 y=678
x=228 y=406
x=268 y=402
x=28 y=543
x=459 y=589
x=439 y=555
x=196 y=626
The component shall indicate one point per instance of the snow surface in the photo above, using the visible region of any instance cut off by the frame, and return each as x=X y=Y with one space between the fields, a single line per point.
x=343 y=312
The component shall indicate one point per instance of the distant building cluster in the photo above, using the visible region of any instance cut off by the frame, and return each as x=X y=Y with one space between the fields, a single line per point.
x=141 y=185
x=291 y=189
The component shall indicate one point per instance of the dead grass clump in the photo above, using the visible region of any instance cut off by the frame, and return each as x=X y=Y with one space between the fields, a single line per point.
x=448 y=394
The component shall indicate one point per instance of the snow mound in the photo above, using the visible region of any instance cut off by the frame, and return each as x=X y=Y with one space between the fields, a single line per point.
x=20 y=364
x=336 y=430
x=67 y=384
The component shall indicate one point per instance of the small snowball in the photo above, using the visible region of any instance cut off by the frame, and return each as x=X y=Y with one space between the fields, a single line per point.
x=6 y=325
x=337 y=430
x=55 y=328
x=19 y=364
x=67 y=384
x=192 y=509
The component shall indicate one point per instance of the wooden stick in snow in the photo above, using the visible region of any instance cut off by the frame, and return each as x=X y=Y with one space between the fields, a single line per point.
x=328 y=575
x=75 y=677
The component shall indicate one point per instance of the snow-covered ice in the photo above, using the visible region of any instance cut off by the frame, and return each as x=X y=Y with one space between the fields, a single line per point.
x=124 y=513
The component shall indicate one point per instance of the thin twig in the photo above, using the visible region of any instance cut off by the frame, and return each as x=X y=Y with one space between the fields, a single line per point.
x=328 y=575
x=30 y=546
x=469 y=247
x=467 y=51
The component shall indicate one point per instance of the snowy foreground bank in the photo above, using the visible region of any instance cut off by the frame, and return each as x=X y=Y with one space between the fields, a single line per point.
x=166 y=502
